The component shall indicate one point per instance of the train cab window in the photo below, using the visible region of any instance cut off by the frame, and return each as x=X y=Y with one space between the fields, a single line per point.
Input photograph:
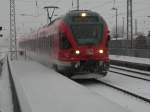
x=64 y=43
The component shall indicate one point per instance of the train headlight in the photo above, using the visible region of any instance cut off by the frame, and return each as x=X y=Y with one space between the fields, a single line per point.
x=83 y=14
x=77 y=52
x=101 y=51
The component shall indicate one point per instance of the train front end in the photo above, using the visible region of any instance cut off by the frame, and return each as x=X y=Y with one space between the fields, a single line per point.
x=87 y=38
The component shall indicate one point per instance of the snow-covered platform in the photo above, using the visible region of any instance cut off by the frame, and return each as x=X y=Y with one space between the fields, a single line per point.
x=41 y=89
x=131 y=59
x=131 y=62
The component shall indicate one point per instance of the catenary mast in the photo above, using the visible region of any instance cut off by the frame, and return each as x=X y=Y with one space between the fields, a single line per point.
x=13 y=46
x=129 y=21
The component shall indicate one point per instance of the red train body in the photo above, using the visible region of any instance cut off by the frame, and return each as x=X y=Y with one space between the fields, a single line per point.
x=76 y=42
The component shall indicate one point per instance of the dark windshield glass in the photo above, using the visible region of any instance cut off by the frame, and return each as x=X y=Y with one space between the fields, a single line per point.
x=87 y=33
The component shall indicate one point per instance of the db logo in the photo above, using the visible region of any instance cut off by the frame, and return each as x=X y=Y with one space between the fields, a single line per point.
x=90 y=52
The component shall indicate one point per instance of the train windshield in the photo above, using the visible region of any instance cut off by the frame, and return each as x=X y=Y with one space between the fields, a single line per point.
x=87 y=33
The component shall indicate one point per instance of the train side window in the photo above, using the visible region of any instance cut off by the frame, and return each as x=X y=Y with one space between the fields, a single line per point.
x=64 y=43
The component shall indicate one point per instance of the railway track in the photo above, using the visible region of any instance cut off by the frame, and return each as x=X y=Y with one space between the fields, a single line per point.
x=126 y=92
x=144 y=76
x=131 y=70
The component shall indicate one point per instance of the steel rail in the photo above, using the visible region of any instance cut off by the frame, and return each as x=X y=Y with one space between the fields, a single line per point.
x=119 y=73
x=125 y=91
x=84 y=82
x=141 y=73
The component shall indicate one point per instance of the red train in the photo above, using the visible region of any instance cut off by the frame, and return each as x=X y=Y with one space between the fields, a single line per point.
x=74 y=43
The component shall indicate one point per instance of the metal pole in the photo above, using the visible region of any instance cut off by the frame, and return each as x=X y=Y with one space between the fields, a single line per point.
x=123 y=27
x=77 y=4
x=116 y=23
x=72 y=4
x=136 y=28
x=48 y=17
x=131 y=24
x=13 y=46
x=127 y=20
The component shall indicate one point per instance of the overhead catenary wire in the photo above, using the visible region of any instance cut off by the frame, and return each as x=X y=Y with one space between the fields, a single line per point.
x=101 y=6
x=85 y=2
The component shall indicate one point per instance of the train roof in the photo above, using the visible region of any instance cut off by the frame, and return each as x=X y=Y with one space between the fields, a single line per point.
x=74 y=13
x=78 y=12
x=76 y=16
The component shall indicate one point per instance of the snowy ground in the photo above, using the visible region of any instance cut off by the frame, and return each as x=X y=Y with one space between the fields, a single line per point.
x=128 y=102
x=5 y=94
x=41 y=90
x=137 y=86
x=45 y=90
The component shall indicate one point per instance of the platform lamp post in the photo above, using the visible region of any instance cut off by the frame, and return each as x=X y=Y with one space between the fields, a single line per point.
x=77 y=4
x=116 y=21
x=148 y=31
x=0 y=31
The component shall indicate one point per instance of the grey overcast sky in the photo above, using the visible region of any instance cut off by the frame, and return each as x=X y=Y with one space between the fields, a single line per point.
x=35 y=15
